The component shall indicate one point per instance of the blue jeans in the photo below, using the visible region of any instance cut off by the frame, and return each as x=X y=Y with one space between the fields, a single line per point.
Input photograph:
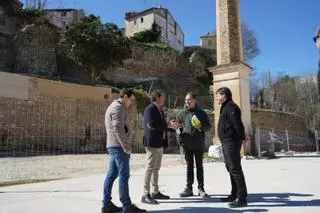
x=118 y=166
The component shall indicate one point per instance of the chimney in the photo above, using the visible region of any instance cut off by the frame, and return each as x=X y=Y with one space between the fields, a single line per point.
x=130 y=14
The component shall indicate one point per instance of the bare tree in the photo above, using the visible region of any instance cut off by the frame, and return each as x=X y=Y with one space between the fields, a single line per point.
x=250 y=43
x=308 y=103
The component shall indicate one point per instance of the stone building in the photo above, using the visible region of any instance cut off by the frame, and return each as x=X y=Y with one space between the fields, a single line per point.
x=10 y=23
x=35 y=49
x=208 y=41
x=63 y=17
x=171 y=33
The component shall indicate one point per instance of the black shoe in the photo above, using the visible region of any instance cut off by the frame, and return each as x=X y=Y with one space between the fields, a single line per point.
x=160 y=196
x=202 y=193
x=238 y=203
x=147 y=199
x=186 y=193
x=228 y=199
x=133 y=209
x=111 y=208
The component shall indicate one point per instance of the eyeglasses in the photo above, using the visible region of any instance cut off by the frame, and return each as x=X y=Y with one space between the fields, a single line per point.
x=316 y=38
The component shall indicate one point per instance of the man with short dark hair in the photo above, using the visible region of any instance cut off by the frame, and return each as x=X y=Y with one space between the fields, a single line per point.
x=119 y=149
x=195 y=123
x=231 y=134
x=155 y=139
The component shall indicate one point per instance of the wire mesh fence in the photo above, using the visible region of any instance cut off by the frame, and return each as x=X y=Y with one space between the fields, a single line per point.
x=46 y=127
x=274 y=140
x=58 y=127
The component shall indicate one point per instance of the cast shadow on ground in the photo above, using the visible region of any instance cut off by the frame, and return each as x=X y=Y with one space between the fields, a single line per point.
x=258 y=200
x=281 y=200
x=209 y=209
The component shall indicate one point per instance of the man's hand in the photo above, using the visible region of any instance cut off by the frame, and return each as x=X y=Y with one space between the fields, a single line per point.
x=246 y=141
x=174 y=125
x=198 y=126
x=128 y=151
x=127 y=148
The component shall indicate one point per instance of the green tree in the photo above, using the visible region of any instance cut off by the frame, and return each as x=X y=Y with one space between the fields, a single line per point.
x=94 y=46
x=148 y=36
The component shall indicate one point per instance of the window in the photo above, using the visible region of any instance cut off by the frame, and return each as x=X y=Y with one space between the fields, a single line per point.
x=64 y=14
x=2 y=20
x=142 y=20
x=175 y=28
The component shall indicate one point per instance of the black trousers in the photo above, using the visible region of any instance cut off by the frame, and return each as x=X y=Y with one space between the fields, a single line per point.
x=198 y=156
x=232 y=158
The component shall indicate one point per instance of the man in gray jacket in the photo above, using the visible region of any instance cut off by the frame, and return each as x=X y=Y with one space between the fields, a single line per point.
x=195 y=123
x=119 y=148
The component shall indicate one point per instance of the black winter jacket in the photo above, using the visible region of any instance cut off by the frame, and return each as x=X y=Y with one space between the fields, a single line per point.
x=230 y=125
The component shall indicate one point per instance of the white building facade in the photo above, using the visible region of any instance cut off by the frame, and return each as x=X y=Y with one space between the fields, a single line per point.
x=208 y=41
x=171 y=33
x=63 y=17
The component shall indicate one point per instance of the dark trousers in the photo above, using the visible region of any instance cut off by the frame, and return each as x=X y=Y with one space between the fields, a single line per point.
x=118 y=166
x=232 y=158
x=198 y=156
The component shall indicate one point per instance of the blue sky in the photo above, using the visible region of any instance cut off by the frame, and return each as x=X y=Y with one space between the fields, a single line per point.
x=284 y=28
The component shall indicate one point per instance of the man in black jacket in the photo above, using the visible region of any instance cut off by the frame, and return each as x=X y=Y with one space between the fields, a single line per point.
x=231 y=134
x=195 y=123
x=155 y=139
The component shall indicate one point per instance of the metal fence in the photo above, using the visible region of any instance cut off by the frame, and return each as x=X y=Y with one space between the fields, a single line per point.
x=58 y=127
x=46 y=127
x=274 y=140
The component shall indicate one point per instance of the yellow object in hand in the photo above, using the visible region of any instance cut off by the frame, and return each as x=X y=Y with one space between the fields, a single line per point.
x=196 y=122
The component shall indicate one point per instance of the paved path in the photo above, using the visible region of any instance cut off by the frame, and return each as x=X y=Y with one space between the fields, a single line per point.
x=283 y=185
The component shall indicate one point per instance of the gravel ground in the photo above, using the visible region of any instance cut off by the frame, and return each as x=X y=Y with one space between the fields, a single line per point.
x=66 y=166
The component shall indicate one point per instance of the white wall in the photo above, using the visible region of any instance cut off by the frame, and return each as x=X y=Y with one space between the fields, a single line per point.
x=208 y=42
x=56 y=18
x=162 y=23
x=171 y=35
x=135 y=25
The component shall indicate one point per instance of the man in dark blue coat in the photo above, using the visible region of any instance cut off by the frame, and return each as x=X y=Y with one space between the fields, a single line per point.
x=155 y=140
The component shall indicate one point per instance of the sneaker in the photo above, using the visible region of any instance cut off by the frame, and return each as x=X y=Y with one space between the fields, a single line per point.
x=186 y=193
x=228 y=199
x=111 y=208
x=147 y=199
x=160 y=196
x=133 y=209
x=238 y=203
x=202 y=193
